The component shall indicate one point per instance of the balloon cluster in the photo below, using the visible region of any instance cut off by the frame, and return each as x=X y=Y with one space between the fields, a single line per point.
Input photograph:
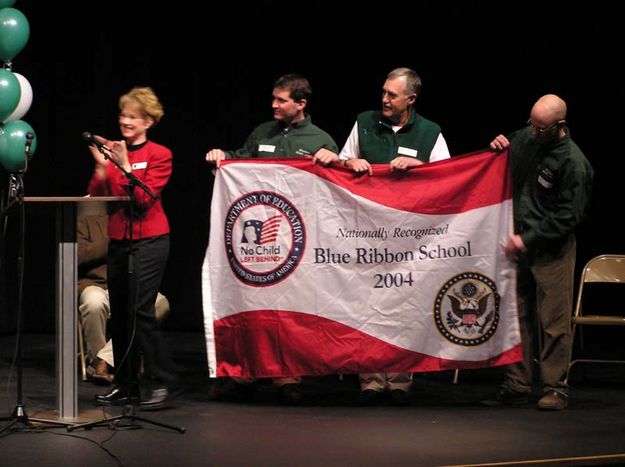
x=18 y=141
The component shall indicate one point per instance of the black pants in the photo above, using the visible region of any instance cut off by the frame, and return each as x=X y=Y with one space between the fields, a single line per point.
x=133 y=284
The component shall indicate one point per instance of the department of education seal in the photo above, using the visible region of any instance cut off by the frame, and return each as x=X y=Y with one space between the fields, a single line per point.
x=264 y=237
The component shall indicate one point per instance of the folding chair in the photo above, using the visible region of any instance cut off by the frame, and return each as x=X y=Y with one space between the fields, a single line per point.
x=605 y=269
x=81 y=350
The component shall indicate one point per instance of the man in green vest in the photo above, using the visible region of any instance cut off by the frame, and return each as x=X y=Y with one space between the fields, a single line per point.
x=398 y=136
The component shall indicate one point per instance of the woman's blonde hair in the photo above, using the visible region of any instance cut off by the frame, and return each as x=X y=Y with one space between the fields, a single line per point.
x=145 y=100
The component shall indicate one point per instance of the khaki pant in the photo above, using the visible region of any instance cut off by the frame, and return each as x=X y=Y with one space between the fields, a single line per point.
x=381 y=381
x=545 y=301
x=95 y=310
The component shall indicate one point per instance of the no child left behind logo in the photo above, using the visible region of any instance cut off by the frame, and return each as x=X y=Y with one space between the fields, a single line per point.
x=265 y=238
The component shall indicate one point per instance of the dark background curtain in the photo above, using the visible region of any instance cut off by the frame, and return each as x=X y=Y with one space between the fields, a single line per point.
x=483 y=65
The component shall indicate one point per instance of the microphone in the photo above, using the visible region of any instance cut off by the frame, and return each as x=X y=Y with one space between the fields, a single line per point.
x=91 y=141
x=29 y=141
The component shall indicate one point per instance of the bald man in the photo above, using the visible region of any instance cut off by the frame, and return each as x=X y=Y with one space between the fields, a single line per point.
x=552 y=182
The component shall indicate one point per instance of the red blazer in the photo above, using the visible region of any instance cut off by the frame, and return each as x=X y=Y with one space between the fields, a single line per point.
x=152 y=165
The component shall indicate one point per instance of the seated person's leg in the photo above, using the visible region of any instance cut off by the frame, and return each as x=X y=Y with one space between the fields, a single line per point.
x=106 y=353
x=103 y=369
x=94 y=311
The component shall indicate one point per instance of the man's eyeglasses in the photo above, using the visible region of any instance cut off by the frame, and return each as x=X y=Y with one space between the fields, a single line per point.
x=540 y=130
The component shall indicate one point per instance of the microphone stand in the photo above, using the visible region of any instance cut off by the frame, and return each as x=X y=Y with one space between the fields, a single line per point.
x=16 y=196
x=16 y=181
x=130 y=409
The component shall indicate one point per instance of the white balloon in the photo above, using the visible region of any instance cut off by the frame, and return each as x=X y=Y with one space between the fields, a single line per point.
x=26 y=99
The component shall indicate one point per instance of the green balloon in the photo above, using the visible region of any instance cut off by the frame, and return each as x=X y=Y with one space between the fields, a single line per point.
x=14 y=32
x=6 y=3
x=13 y=144
x=10 y=93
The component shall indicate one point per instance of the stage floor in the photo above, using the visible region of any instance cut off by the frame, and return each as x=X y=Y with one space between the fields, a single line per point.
x=443 y=426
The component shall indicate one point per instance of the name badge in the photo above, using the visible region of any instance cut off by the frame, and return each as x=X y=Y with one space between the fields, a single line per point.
x=139 y=165
x=266 y=148
x=402 y=151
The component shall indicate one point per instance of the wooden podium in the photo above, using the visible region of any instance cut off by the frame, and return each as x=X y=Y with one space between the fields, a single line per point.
x=66 y=210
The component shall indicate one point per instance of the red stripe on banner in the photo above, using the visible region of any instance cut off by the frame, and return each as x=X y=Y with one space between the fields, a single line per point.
x=270 y=343
x=450 y=186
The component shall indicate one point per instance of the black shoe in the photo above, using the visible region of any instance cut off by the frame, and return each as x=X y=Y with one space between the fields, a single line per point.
x=368 y=397
x=291 y=394
x=158 y=398
x=505 y=396
x=119 y=395
x=399 y=397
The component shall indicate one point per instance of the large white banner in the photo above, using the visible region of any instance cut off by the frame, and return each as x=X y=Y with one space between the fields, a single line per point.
x=315 y=270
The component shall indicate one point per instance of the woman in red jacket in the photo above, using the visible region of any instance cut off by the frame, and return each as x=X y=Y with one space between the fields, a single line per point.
x=144 y=226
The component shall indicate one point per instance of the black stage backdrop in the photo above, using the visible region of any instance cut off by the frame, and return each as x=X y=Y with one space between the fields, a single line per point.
x=483 y=64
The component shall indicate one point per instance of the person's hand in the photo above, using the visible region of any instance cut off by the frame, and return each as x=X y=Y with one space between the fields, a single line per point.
x=98 y=156
x=359 y=166
x=100 y=160
x=325 y=157
x=95 y=152
x=499 y=143
x=404 y=163
x=514 y=246
x=120 y=155
x=215 y=156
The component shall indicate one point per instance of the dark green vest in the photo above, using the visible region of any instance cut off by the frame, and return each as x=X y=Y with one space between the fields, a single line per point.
x=379 y=144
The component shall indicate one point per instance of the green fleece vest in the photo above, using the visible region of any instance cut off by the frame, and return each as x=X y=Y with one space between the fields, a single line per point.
x=379 y=144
